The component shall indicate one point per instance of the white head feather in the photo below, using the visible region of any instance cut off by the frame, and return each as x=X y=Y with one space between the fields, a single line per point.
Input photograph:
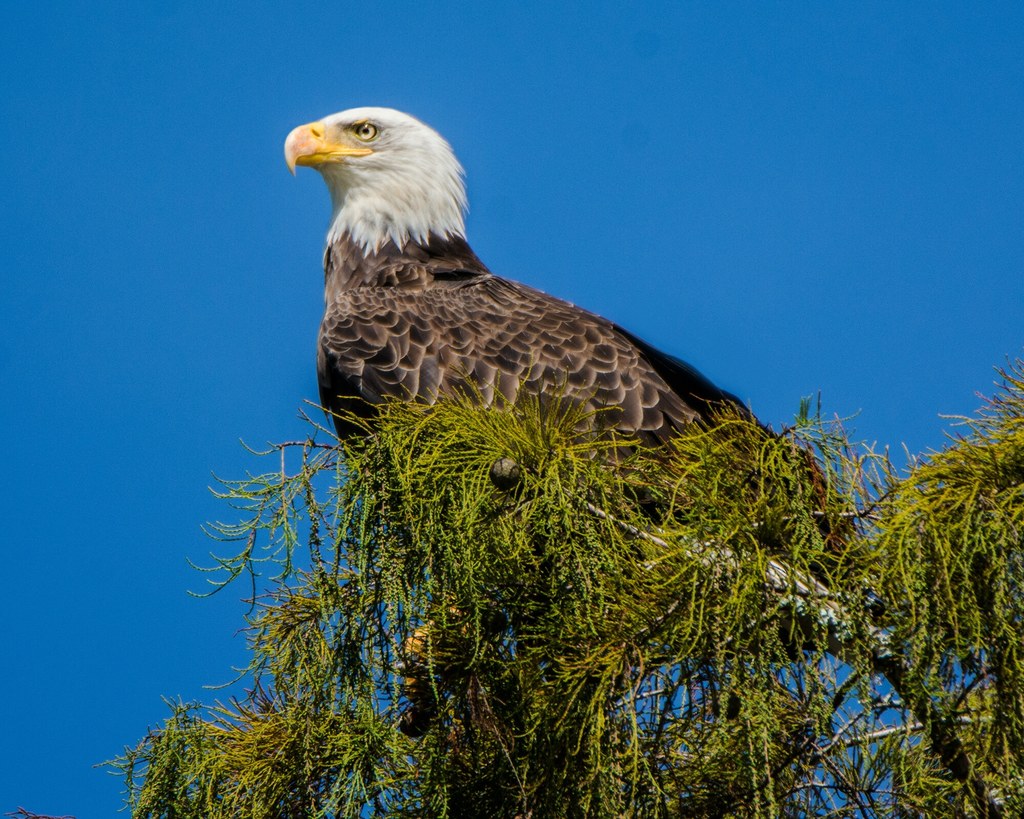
x=410 y=186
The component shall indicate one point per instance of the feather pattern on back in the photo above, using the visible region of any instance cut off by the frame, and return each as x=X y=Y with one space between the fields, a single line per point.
x=424 y=321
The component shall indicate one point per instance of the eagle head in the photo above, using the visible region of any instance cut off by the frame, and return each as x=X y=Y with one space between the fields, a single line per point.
x=390 y=176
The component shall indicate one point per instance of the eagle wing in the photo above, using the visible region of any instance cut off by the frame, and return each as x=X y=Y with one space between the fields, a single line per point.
x=499 y=337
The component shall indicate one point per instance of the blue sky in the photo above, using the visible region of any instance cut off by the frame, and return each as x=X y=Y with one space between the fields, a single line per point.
x=795 y=198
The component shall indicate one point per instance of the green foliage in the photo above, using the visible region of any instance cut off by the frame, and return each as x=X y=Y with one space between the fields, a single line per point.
x=740 y=624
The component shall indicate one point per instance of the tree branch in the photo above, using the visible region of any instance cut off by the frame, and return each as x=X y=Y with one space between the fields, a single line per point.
x=781 y=579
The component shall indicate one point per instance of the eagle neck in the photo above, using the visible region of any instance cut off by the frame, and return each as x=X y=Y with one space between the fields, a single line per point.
x=414 y=264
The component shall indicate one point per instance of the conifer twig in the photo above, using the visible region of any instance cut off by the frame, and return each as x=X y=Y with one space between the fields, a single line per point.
x=781 y=579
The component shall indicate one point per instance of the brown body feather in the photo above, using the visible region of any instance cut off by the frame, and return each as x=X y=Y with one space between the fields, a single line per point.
x=429 y=319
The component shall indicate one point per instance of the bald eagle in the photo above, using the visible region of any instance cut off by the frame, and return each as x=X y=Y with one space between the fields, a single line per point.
x=411 y=312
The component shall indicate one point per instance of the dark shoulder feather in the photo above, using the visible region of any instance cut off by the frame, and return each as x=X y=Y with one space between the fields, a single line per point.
x=420 y=322
x=413 y=265
x=686 y=380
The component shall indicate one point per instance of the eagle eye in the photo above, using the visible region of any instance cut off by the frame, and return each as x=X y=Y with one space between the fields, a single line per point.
x=366 y=131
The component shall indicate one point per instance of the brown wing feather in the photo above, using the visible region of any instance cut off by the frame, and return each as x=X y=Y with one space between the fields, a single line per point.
x=419 y=343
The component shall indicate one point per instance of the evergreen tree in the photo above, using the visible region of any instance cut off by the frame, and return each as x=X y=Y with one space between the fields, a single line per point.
x=473 y=612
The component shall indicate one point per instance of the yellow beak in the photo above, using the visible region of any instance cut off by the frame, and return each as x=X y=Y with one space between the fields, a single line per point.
x=307 y=145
